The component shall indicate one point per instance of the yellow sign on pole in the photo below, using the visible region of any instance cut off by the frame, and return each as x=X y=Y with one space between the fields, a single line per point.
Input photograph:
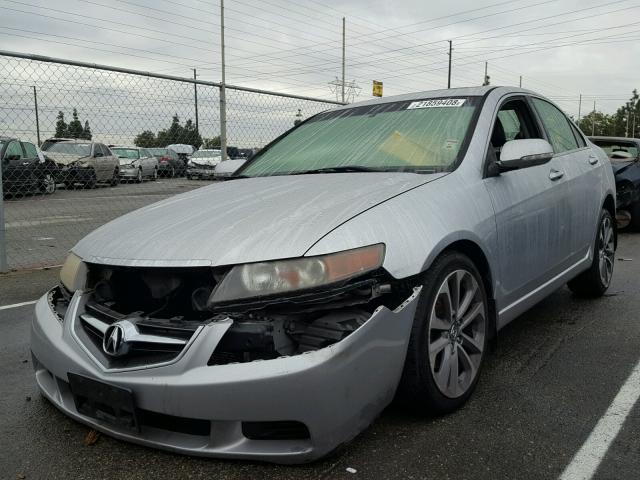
x=377 y=88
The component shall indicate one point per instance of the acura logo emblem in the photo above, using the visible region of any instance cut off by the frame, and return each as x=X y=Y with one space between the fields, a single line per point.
x=114 y=342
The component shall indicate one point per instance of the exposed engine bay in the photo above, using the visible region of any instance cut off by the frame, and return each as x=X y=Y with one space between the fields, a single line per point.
x=174 y=301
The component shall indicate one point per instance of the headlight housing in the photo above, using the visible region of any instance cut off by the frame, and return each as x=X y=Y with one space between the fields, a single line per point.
x=269 y=278
x=73 y=275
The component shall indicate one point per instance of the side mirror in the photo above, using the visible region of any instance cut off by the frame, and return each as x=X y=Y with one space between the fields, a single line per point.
x=524 y=153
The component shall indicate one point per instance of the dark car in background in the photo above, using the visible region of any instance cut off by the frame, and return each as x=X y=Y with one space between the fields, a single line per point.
x=169 y=163
x=624 y=154
x=23 y=170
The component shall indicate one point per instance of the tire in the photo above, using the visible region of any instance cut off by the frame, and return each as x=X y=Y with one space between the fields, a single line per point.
x=634 y=210
x=155 y=175
x=91 y=183
x=440 y=343
x=48 y=184
x=172 y=173
x=595 y=281
x=139 y=176
x=115 y=179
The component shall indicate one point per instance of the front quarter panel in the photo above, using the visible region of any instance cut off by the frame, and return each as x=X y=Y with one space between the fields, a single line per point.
x=418 y=225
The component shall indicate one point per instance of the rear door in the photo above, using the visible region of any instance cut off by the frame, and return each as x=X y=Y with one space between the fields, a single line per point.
x=531 y=207
x=583 y=174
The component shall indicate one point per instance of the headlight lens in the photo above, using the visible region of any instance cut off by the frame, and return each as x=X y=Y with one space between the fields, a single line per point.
x=73 y=274
x=268 y=278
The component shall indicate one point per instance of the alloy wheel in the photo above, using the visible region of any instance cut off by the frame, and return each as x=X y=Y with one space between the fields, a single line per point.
x=48 y=184
x=606 y=251
x=457 y=326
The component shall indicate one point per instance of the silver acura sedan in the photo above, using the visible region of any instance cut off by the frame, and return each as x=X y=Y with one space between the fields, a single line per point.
x=371 y=252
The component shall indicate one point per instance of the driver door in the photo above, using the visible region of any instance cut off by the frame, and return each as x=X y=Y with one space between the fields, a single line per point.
x=531 y=209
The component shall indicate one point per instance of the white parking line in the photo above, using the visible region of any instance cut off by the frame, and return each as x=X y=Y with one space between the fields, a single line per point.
x=16 y=305
x=586 y=461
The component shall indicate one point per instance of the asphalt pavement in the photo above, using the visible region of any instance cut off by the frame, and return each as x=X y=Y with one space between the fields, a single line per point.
x=554 y=374
x=42 y=228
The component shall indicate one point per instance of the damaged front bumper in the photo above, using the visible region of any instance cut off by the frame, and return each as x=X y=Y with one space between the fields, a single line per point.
x=189 y=407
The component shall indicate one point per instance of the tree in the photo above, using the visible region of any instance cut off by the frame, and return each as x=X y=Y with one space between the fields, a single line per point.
x=86 y=131
x=211 y=142
x=74 y=130
x=61 y=126
x=146 y=139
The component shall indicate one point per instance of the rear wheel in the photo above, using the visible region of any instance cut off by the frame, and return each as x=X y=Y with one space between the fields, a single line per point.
x=448 y=338
x=595 y=281
x=48 y=185
x=115 y=178
x=155 y=174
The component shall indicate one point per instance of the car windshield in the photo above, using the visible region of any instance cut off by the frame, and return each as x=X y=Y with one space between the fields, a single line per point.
x=131 y=153
x=421 y=136
x=206 y=154
x=80 y=149
x=158 y=151
x=611 y=147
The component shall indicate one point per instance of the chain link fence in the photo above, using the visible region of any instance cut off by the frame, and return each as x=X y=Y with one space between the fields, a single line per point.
x=82 y=144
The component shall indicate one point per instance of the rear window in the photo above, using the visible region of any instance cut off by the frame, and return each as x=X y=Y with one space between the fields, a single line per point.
x=618 y=149
x=158 y=151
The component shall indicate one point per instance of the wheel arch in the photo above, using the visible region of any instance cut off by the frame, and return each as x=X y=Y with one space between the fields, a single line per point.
x=478 y=256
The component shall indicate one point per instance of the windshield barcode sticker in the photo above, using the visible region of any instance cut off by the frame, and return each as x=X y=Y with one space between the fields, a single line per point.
x=443 y=102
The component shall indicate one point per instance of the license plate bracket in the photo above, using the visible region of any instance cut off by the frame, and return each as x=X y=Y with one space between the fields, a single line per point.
x=108 y=403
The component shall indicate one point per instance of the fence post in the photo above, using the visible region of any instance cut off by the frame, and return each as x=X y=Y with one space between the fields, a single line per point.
x=4 y=266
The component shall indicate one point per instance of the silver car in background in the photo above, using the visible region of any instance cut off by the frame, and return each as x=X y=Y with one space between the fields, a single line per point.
x=136 y=163
x=203 y=163
x=372 y=251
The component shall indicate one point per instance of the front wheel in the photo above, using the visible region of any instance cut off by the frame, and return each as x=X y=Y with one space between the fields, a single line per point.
x=595 y=281
x=48 y=185
x=139 y=176
x=115 y=179
x=448 y=338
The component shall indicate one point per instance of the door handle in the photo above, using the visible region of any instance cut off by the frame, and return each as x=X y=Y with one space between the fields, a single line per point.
x=555 y=174
x=593 y=159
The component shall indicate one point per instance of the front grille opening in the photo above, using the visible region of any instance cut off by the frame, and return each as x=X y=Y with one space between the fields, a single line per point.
x=171 y=423
x=59 y=299
x=282 y=430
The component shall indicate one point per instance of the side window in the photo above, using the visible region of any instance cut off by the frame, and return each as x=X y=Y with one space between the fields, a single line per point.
x=106 y=151
x=557 y=126
x=514 y=122
x=30 y=149
x=14 y=150
x=579 y=138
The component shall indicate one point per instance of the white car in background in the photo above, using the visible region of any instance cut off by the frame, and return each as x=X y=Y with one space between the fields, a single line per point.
x=136 y=163
x=228 y=167
x=202 y=164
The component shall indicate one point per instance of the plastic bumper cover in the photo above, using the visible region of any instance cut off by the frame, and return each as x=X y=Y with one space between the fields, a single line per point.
x=335 y=392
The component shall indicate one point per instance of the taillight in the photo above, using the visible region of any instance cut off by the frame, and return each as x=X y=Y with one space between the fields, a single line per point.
x=164 y=159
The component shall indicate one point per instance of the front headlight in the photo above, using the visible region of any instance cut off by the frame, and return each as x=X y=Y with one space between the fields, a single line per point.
x=269 y=278
x=73 y=274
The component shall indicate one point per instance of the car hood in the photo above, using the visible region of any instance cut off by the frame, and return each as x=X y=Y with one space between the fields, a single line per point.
x=205 y=161
x=63 y=158
x=243 y=220
x=621 y=166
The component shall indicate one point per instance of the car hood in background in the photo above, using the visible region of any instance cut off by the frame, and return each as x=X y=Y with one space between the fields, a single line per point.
x=620 y=166
x=243 y=220
x=205 y=161
x=229 y=166
x=63 y=158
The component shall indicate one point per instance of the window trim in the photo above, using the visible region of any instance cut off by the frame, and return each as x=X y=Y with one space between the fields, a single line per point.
x=555 y=154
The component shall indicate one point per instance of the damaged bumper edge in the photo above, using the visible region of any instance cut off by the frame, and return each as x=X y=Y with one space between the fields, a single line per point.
x=336 y=392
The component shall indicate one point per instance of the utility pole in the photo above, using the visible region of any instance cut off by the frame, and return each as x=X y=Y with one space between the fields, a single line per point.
x=633 y=128
x=223 y=99
x=579 y=107
x=486 y=77
x=35 y=101
x=450 y=52
x=626 y=130
x=343 y=56
x=593 y=120
x=520 y=81
x=195 y=99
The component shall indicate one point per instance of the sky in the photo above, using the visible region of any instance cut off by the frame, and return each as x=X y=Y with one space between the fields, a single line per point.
x=561 y=48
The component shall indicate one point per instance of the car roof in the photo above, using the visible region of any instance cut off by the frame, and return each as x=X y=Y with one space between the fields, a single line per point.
x=443 y=93
x=6 y=139
x=77 y=140
x=133 y=147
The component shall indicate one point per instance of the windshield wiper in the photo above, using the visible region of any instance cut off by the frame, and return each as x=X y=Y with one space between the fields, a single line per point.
x=341 y=169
